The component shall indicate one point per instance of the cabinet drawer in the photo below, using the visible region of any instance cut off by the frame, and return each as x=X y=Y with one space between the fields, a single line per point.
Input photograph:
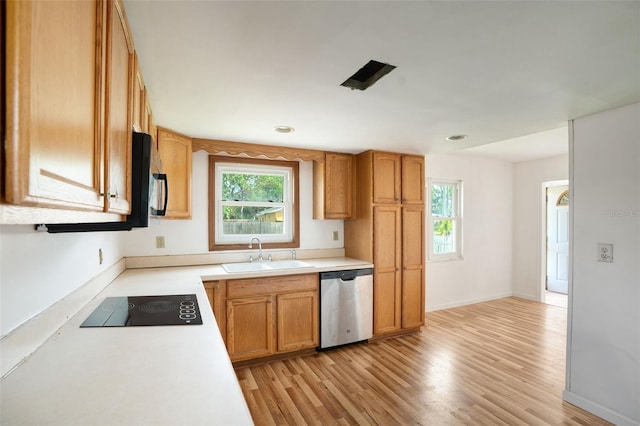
x=271 y=285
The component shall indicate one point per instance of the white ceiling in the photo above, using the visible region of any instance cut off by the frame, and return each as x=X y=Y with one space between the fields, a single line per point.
x=493 y=70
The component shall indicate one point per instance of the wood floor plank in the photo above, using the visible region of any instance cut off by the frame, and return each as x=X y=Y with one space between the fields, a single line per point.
x=494 y=363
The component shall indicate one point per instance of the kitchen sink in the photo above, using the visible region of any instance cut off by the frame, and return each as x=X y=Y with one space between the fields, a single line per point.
x=245 y=267
x=265 y=266
x=288 y=264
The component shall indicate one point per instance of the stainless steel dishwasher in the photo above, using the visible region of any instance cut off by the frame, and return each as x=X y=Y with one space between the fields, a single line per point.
x=346 y=307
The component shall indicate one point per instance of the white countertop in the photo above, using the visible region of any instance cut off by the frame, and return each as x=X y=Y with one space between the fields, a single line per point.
x=162 y=375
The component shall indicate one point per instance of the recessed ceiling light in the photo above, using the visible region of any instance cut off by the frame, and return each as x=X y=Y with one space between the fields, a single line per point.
x=455 y=138
x=284 y=129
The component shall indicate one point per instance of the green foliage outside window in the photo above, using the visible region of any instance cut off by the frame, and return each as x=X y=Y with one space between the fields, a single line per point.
x=259 y=188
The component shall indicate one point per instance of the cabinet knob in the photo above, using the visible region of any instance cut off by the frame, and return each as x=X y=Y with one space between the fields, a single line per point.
x=215 y=287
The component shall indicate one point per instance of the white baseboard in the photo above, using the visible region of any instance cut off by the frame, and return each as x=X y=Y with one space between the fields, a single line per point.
x=531 y=297
x=457 y=303
x=24 y=340
x=597 y=409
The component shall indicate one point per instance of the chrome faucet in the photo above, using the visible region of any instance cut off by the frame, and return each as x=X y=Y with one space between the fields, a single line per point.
x=259 y=247
x=293 y=254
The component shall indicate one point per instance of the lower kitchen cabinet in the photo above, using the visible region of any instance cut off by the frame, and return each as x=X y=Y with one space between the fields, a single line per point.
x=217 y=293
x=297 y=320
x=250 y=327
x=271 y=315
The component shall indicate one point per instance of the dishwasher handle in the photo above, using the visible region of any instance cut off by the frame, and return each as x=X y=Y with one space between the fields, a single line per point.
x=348 y=275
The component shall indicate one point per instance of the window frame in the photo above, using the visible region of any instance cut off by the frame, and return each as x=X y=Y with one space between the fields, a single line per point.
x=214 y=203
x=456 y=218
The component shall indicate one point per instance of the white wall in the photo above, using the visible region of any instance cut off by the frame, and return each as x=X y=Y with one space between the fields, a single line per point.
x=603 y=359
x=191 y=236
x=38 y=269
x=528 y=224
x=485 y=271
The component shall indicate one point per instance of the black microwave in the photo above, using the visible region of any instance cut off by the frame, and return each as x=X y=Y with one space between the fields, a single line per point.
x=149 y=192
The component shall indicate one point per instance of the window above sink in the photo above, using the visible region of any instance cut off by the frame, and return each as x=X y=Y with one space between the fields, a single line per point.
x=252 y=197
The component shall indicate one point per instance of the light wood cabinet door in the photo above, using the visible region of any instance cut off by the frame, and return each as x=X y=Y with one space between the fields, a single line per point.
x=54 y=62
x=176 y=153
x=149 y=125
x=387 y=303
x=118 y=111
x=216 y=293
x=386 y=178
x=297 y=321
x=250 y=327
x=138 y=106
x=333 y=187
x=413 y=259
x=412 y=179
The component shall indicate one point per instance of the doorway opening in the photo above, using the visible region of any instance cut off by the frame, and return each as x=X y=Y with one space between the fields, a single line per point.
x=555 y=283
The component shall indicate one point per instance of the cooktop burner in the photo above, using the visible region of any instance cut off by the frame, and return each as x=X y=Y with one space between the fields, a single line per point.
x=173 y=309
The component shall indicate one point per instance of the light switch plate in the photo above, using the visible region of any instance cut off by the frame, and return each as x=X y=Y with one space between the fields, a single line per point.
x=605 y=252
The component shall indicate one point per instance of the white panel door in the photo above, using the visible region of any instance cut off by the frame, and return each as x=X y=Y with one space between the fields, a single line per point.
x=557 y=241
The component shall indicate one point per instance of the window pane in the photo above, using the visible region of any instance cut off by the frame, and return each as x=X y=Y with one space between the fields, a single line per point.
x=444 y=236
x=252 y=187
x=442 y=200
x=241 y=220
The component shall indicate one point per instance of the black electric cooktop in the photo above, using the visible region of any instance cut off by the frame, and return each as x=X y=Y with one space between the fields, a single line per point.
x=173 y=309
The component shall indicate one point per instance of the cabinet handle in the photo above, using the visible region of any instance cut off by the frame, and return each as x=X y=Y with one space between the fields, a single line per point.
x=110 y=195
x=215 y=287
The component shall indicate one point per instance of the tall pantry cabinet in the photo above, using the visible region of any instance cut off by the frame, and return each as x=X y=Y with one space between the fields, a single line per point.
x=388 y=230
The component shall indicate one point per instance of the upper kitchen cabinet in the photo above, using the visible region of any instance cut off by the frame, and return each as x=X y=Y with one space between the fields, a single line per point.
x=118 y=110
x=176 y=153
x=54 y=68
x=150 y=122
x=68 y=118
x=412 y=179
x=333 y=187
x=138 y=100
x=386 y=179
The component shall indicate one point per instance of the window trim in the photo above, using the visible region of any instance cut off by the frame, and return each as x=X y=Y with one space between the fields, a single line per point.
x=295 y=209
x=457 y=218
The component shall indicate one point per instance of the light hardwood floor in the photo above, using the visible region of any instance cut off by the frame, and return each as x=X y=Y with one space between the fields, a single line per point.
x=494 y=363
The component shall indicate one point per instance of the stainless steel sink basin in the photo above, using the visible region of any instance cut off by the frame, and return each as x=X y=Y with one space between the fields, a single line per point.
x=265 y=266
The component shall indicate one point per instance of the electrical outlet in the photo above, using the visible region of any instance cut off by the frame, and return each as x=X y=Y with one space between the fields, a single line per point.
x=160 y=241
x=100 y=257
x=605 y=252
x=336 y=235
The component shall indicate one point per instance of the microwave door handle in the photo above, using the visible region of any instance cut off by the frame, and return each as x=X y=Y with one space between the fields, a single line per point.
x=162 y=177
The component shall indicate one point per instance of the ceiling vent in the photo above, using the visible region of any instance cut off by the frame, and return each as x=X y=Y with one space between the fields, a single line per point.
x=367 y=75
